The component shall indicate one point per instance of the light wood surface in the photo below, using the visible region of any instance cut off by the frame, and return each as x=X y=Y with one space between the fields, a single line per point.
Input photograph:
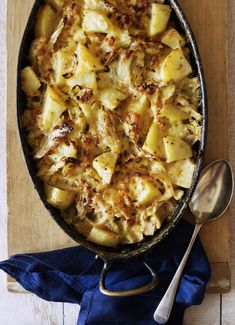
x=28 y=309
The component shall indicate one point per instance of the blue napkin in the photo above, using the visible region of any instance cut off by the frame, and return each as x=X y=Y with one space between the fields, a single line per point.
x=72 y=275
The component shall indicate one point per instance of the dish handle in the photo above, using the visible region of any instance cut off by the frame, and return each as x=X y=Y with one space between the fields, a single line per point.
x=131 y=292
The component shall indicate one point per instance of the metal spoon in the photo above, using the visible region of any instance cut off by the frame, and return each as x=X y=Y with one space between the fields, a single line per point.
x=210 y=200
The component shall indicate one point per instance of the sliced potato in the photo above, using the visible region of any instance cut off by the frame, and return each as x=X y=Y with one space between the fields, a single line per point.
x=173 y=113
x=83 y=78
x=181 y=172
x=173 y=39
x=58 y=198
x=103 y=237
x=30 y=82
x=111 y=97
x=139 y=105
x=160 y=15
x=175 y=67
x=105 y=165
x=154 y=141
x=178 y=129
x=167 y=92
x=53 y=107
x=192 y=112
x=62 y=64
x=122 y=38
x=87 y=59
x=46 y=21
x=96 y=22
x=145 y=191
x=176 y=149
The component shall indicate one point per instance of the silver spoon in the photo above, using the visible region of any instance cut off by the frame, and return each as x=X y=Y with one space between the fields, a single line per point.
x=211 y=199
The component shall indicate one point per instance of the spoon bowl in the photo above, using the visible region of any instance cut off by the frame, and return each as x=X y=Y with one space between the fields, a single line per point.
x=213 y=193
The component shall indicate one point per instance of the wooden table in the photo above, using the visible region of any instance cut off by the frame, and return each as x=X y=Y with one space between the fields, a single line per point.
x=27 y=309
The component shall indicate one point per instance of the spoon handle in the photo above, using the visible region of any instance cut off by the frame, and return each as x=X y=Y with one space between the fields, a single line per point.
x=163 y=310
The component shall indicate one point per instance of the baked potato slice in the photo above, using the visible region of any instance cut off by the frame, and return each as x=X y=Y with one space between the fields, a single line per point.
x=154 y=141
x=45 y=22
x=53 y=107
x=58 y=198
x=105 y=166
x=160 y=15
x=181 y=172
x=103 y=237
x=176 y=149
x=175 y=67
x=174 y=113
x=145 y=191
x=139 y=105
x=95 y=21
x=173 y=39
x=62 y=64
x=30 y=82
x=111 y=97
x=87 y=59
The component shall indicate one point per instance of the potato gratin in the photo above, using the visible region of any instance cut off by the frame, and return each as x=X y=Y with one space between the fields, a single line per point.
x=112 y=115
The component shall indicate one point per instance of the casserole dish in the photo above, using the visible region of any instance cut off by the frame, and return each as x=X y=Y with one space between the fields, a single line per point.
x=110 y=255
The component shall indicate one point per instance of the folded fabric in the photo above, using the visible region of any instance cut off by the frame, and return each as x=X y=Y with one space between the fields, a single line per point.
x=72 y=275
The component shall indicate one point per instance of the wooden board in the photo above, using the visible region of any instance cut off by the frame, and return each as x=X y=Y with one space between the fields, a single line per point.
x=30 y=229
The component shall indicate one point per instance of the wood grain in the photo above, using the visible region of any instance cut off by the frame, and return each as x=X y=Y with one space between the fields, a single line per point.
x=29 y=226
x=206 y=314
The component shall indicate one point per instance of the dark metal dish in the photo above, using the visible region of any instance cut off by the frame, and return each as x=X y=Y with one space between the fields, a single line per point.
x=110 y=255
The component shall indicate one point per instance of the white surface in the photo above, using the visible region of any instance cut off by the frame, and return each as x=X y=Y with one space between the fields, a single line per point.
x=26 y=309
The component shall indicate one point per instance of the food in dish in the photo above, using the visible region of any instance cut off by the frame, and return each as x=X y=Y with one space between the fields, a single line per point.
x=112 y=115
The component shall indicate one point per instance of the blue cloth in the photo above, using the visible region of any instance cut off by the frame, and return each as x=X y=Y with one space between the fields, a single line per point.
x=71 y=275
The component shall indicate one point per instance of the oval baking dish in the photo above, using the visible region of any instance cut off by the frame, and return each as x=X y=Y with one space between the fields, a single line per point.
x=109 y=255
